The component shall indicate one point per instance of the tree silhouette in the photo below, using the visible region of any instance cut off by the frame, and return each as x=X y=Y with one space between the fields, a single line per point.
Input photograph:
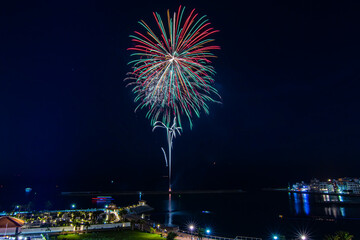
x=200 y=233
x=340 y=235
x=171 y=236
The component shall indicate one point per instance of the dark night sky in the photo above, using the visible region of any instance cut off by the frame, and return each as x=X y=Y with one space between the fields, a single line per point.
x=288 y=73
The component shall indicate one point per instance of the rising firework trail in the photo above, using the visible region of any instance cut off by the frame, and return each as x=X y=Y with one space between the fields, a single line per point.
x=172 y=75
x=170 y=135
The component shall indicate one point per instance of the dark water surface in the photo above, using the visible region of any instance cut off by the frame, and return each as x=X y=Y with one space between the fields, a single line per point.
x=258 y=213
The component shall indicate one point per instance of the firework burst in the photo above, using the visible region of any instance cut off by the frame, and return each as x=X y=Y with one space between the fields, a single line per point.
x=172 y=75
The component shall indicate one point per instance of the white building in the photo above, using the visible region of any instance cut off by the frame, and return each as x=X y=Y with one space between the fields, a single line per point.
x=323 y=187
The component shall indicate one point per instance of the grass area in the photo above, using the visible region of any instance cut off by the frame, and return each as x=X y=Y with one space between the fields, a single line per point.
x=111 y=235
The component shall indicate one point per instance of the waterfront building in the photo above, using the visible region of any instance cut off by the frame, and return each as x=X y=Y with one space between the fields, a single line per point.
x=300 y=187
x=353 y=187
x=10 y=225
x=341 y=185
x=323 y=187
x=314 y=185
x=348 y=186
x=326 y=187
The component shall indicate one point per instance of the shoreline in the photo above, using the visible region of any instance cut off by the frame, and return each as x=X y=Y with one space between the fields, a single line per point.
x=94 y=193
x=316 y=193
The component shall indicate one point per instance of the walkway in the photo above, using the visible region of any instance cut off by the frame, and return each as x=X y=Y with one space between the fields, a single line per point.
x=187 y=236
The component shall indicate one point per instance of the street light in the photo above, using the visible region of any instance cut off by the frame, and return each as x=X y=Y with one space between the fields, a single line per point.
x=208 y=231
x=275 y=237
x=303 y=237
x=191 y=227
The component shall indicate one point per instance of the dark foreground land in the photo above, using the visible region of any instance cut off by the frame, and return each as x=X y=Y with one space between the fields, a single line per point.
x=114 y=235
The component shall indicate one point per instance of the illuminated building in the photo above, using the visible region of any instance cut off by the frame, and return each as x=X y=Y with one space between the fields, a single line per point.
x=10 y=225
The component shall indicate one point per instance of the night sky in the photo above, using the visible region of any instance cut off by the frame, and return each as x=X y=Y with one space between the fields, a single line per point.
x=288 y=73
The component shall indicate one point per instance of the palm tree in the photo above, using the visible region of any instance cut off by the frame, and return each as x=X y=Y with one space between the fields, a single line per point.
x=87 y=225
x=201 y=233
x=142 y=223
x=123 y=213
x=171 y=236
x=132 y=222
x=340 y=235
x=76 y=224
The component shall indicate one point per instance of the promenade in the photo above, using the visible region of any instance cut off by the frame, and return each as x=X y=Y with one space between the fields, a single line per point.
x=72 y=229
x=182 y=235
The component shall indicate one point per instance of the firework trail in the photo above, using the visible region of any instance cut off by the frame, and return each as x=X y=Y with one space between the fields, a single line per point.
x=170 y=135
x=172 y=75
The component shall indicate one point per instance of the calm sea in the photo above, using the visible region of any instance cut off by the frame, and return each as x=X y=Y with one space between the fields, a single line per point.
x=257 y=214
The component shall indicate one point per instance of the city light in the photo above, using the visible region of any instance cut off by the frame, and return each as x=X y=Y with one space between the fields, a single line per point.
x=73 y=205
x=208 y=231
x=191 y=227
x=303 y=234
x=275 y=237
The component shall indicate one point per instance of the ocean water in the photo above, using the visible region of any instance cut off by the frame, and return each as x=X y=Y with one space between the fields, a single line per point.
x=256 y=214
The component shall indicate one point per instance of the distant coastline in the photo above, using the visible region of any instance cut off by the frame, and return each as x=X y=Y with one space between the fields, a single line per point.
x=311 y=192
x=93 y=193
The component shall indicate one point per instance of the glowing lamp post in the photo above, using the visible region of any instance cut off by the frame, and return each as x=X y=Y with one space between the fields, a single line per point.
x=208 y=231
x=275 y=237
x=191 y=227
x=303 y=237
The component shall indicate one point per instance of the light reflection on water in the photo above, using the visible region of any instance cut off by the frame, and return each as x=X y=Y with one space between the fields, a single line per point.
x=219 y=211
x=334 y=209
x=170 y=213
x=322 y=204
x=306 y=203
x=342 y=210
x=301 y=203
